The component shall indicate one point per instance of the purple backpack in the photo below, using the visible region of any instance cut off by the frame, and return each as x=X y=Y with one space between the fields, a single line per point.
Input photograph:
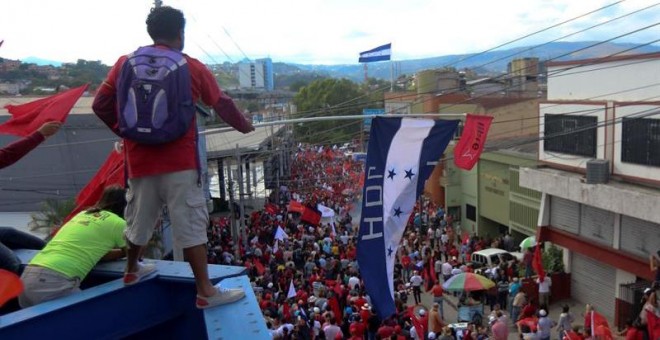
x=154 y=94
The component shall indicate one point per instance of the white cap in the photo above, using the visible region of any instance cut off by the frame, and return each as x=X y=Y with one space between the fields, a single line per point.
x=422 y=312
x=270 y=285
x=542 y=312
x=431 y=335
x=492 y=319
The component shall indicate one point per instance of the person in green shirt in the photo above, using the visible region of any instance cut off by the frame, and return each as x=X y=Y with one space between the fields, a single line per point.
x=93 y=235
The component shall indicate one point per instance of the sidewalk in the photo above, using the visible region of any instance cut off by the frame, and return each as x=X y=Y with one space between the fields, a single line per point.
x=450 y=312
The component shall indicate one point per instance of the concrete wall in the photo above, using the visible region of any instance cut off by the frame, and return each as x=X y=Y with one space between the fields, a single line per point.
x=494 y=191
x=619 y=198
x=605 y=81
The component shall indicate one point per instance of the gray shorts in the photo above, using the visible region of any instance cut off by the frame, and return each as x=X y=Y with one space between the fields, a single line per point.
x=185 y=202
x=43 y=284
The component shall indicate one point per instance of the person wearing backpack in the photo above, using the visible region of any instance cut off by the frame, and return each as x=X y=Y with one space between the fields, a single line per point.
x=148 y=98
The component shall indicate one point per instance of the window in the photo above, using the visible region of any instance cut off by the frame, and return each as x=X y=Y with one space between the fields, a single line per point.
x=560 y=138
x=640 y=141
x=471 y=212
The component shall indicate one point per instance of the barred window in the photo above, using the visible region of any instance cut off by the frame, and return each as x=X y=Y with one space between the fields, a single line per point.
x=559 y=138
x=640 y=141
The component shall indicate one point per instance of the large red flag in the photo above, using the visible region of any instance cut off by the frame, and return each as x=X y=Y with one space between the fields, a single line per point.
x=537 y=263
x=472 y=141
x=111 y=173
x=27 y=118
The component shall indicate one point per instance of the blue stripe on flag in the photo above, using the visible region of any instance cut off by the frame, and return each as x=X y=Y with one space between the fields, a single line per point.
x=396 y=168
x=377 y=54
x=437 y=140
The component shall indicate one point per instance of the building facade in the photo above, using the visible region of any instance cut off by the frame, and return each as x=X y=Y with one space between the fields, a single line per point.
x=488 y=199
x=256 y=74
x=600 y=131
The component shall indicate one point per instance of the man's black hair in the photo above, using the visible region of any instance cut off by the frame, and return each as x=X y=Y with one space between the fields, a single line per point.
x=112 y=200
x=165 y=23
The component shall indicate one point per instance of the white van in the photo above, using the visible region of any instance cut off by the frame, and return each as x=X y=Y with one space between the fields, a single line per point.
x=493 y=256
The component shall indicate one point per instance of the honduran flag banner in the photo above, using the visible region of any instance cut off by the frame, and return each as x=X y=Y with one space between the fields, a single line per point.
x=377 y=54
x=401 y=156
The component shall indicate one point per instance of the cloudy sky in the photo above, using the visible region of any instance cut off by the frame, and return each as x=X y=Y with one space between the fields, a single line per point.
x=312 y=31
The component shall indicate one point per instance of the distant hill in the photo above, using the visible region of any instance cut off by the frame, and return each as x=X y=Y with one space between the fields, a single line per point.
x=483 y=63
x=41 y=62
x=489 y=62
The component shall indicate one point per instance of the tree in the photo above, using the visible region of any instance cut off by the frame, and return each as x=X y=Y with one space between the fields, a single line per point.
x=329 y=97
x=51 y=216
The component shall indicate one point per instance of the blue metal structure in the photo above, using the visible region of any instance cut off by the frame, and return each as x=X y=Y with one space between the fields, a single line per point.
x=159 y=308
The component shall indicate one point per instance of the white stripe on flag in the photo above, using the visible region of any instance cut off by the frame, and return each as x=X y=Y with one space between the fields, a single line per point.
x=399 y=192
x=380 y=53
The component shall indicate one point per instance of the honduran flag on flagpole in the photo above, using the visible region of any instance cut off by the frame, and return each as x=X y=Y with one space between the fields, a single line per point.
x=401 y=156
x=377 y=54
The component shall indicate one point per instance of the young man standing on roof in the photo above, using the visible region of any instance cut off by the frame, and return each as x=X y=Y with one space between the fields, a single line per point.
x=167 y=173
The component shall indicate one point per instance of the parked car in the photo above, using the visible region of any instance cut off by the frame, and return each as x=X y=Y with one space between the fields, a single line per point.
x=493 y=256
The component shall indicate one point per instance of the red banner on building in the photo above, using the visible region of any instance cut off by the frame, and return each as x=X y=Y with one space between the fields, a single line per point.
x=473 y=139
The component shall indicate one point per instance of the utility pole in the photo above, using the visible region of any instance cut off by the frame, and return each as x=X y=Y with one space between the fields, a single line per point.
x=241 y=202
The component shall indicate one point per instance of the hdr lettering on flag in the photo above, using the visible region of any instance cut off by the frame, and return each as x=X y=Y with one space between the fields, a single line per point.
x=402 y=154
x=27 y=118
x=473 y=139
x=377 y=54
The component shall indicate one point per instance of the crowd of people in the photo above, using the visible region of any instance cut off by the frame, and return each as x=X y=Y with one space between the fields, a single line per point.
x=308 y=281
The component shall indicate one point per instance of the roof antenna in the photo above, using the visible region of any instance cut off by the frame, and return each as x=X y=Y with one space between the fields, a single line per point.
x=158 y=3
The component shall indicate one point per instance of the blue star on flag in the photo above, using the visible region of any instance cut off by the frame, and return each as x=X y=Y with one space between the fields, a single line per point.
x=397 y=212
x=409 y=174
x=390 y=251
x=391 y=174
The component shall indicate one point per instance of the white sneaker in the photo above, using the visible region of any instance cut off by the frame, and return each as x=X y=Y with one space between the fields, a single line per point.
x=145 y=271
x=222 y=297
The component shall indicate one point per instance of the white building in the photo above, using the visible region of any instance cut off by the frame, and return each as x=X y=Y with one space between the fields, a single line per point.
x=606 y=109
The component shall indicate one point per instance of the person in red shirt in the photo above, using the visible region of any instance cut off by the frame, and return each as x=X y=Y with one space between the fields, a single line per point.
x=11 y=153
x=438 y=298
x=167 y=173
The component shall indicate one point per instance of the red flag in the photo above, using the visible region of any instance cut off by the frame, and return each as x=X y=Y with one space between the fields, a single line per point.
x=271 y=208
x=10 y=286
x=537 y=263
x=295 y=206
x=473 y=139
x=27 y=118
x=311 y=216
x=111 y=173
x=653 y=324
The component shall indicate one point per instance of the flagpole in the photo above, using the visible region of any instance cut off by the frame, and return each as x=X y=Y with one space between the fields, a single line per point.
x=391 y=77
x=438 y=116
x=366 y=76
